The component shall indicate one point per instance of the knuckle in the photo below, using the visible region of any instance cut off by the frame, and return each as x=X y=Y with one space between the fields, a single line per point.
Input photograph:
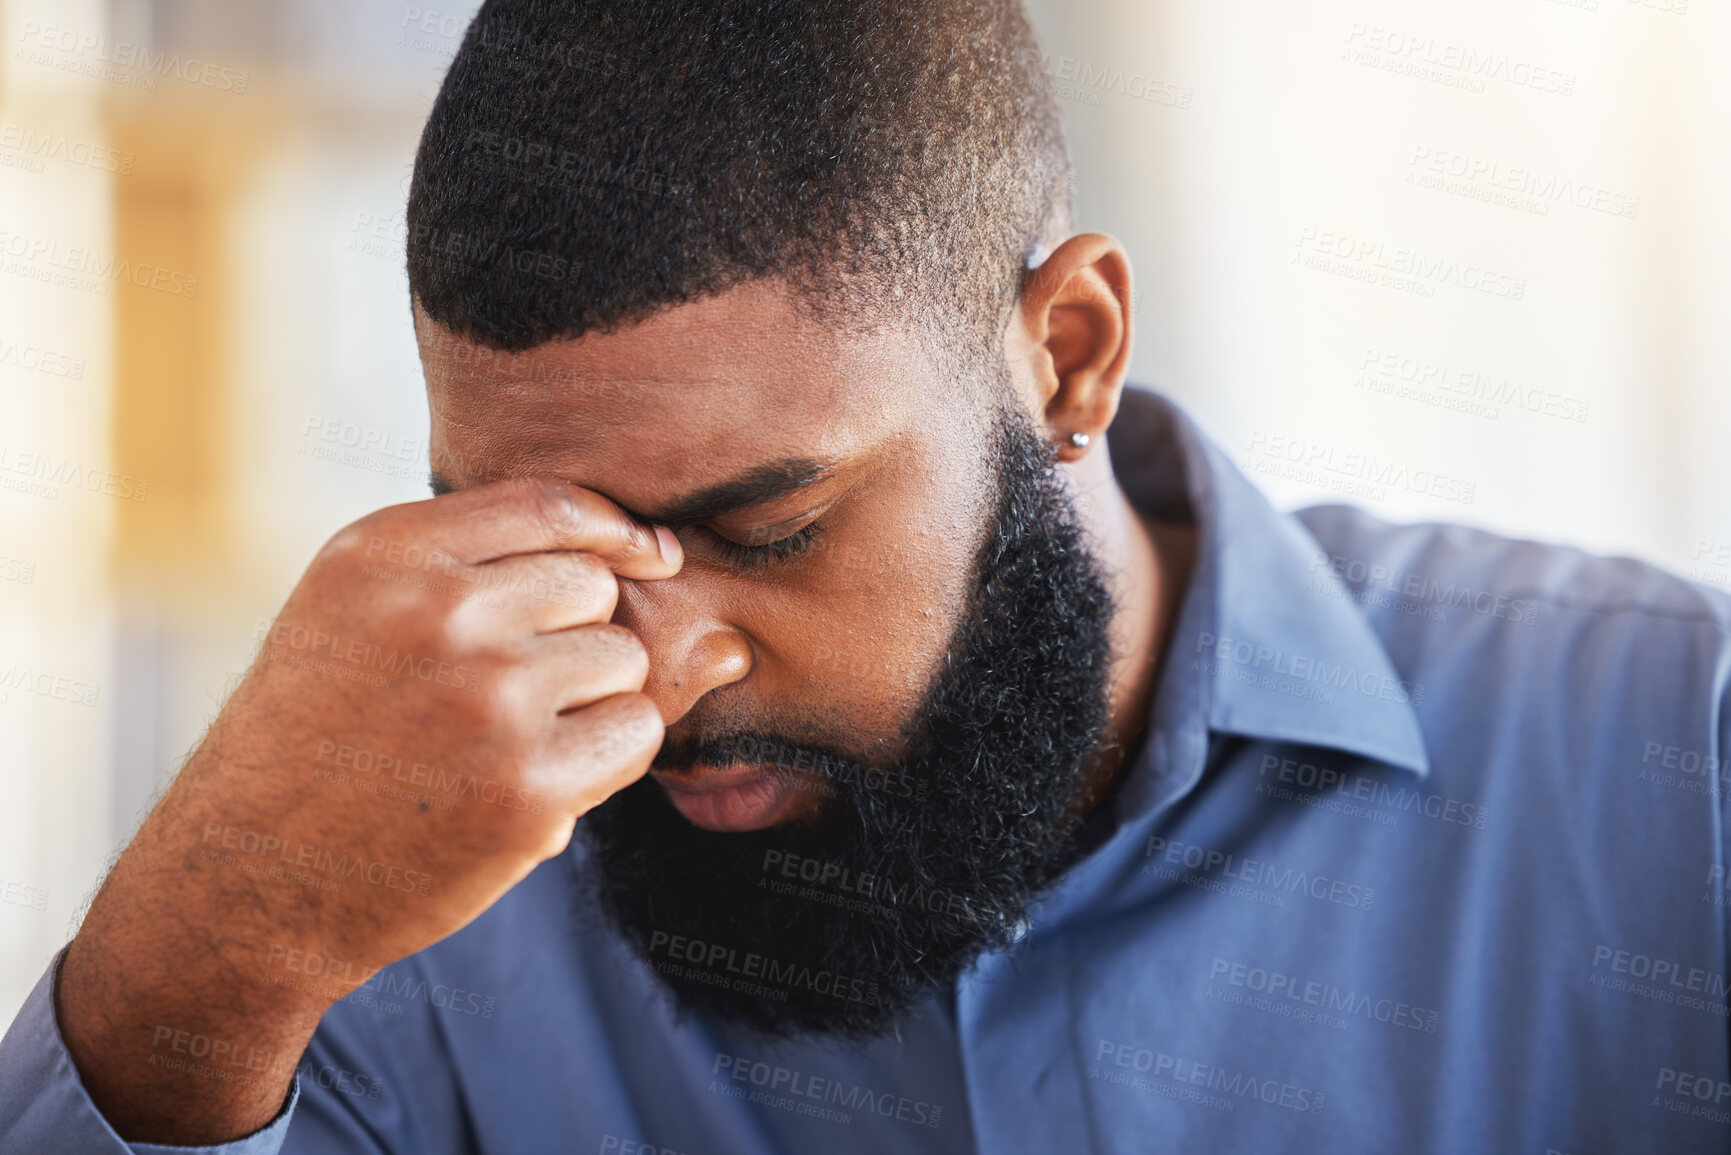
x=636 y=539
x=446 y=628
x=552 y=505
x=461 y=624
x=636 y=721
x=349 y=541
x=480 y=702
x=598 y=601
x=375 y=536
x=503 y=687
x=585 y=586
x=590 y=584
x=612 y=644
x=591 y=589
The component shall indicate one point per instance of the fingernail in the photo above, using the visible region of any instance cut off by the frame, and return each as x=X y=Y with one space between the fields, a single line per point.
x=670 y=552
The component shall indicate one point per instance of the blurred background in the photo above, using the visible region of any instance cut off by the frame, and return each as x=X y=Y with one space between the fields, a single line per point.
x=1459 y=262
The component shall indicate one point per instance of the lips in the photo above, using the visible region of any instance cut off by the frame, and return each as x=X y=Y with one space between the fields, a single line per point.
x=729 y=801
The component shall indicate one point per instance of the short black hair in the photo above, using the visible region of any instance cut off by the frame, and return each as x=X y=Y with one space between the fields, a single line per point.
x=589 y=162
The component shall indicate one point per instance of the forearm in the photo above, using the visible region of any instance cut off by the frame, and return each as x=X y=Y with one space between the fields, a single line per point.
x=178 y=1036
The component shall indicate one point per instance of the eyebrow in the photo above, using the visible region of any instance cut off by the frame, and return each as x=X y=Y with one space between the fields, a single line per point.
x=760 y=484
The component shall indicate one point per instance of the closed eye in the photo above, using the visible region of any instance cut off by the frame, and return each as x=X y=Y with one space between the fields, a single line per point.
x=750 y=557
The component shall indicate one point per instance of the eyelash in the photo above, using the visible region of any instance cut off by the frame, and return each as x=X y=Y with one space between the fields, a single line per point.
x=749 y=557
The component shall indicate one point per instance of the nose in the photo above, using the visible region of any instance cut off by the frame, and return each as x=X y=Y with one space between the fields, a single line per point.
x=691 y=649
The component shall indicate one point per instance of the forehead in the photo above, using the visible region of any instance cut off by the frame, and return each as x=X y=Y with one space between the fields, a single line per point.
x=694 y=393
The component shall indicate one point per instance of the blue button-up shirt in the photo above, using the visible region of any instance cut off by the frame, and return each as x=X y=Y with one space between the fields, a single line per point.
x=1425 y=852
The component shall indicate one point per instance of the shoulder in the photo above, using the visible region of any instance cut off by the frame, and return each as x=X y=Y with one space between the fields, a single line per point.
x=1558 y=573
x=1507 y=579
x=1485 y=620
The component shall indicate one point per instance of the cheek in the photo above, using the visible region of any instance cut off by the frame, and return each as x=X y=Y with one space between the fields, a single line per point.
x=868 y=642
x=868 y=623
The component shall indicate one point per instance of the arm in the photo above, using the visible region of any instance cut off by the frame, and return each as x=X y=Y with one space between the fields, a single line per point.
x=261 y=890
x=43 y=1104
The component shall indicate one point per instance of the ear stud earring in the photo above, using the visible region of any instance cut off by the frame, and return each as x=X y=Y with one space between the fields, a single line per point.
x=1080 y=440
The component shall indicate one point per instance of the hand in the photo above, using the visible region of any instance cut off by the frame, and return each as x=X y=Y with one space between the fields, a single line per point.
x=439 y=700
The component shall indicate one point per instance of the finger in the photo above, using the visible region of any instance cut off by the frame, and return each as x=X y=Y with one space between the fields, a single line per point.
x=568 y=670
x=526 y=515
x=539 y=593
x=595 y=752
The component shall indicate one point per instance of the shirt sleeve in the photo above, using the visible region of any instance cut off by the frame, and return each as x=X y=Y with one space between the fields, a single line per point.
x=44 y=1107
x=371 y=1082
x=380 y=1074
x=1721 y=779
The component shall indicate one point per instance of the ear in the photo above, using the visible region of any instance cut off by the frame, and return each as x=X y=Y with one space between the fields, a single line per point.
x=1072 y=334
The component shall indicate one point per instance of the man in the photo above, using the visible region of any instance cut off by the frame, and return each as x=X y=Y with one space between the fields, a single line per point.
x=950 y=777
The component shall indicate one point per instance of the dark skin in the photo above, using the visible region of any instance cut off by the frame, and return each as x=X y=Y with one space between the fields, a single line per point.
x=698 y=396
x=561 y=458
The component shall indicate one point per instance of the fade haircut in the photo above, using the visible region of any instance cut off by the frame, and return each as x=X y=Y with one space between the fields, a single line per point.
x=589 y=162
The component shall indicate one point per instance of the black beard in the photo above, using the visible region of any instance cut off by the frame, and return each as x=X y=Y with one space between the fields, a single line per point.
x=839 y=923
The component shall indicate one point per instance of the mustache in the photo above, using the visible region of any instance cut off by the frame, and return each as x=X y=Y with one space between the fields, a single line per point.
x=752 y=748
x=818 y=769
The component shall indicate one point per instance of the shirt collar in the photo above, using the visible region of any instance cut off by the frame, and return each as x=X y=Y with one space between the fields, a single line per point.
x=1266 y=643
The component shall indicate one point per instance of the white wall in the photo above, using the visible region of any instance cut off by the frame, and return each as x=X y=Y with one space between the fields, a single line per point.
x=1279 y=134
x=56 y=604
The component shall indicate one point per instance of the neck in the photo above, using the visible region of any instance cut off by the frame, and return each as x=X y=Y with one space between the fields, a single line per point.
x=1148 y=565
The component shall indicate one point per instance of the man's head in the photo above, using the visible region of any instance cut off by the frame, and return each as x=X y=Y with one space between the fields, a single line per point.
x=823 y=360
x=586 y=164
